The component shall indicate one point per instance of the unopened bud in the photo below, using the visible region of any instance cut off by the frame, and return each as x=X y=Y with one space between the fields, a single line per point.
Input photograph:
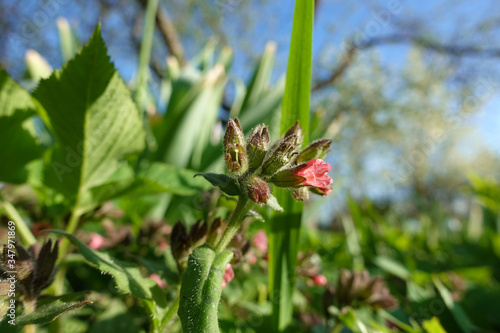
x=257 y=146
x=286 y=177
x=316 y=149
x=279 y=156
x=197 y=233
x=297 y=131
x=234 y=148
x=258 y=191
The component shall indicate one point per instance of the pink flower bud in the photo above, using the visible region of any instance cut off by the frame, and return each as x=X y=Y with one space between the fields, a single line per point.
x=228 y=275
x=96 y=241
x=260 y=241
x=319 y=280
x=162 y=284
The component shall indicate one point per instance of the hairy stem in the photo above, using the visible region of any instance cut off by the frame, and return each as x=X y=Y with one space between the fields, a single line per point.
x=242 y=207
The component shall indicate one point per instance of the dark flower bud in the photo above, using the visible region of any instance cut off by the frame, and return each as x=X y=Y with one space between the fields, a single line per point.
x=257 y=146
x=316 y=149
x=279 y=156
x=197 y=233
x=179 y=241
x=357 y=289
x=216 y=230
x=297 y=131
x=258 y=191
x=35 y=268
x=234 y=148
x=286 y=177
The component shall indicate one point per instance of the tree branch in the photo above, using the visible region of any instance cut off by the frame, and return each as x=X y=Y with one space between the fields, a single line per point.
x=168 y=32
x=450 y=49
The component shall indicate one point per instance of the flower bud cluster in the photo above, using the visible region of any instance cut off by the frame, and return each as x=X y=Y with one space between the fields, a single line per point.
x=35 y=269
x=256 y=164
x=356 y=290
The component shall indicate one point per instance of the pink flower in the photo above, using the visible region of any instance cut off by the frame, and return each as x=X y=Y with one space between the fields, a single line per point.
x=260 y=241
x=319 y=280
x=316 y=175
x=162 y=284
x=228 y=275
x=96 y=241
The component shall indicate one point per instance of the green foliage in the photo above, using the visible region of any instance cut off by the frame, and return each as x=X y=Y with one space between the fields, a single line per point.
x=285 y=226
x=17 y=131
x=48 y=311
x=201 y=290
x=91 y=113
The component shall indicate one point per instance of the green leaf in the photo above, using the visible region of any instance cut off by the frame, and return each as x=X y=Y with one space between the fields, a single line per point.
x=127 y=276
x=393 y=267
x=201 y=290
x=227 y=184
x=48 y=312
x=456 y=310
x=191 y=114
x=285 y=226
x=91 y=113
x=433 y=326
x=17 y=132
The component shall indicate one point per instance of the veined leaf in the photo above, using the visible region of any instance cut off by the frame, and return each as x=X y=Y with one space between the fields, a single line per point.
x=285 y=226
x=90 y=111
x=17 y=132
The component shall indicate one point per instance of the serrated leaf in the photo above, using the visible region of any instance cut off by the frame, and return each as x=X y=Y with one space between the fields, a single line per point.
x=17 y=132
x=49 y=312
x=227 y=184
x=127 y=276
x=91 y=113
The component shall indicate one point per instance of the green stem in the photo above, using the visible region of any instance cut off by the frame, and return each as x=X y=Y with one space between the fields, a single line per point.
x=58 y=286
x=169 y=316
x=70 y=229
x=242 y=207
x=22 y=229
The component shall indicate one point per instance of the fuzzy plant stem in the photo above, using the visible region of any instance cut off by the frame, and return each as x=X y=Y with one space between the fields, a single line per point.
x=242 y=207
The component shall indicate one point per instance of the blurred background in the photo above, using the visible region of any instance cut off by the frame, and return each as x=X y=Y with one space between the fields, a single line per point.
x=409 y=91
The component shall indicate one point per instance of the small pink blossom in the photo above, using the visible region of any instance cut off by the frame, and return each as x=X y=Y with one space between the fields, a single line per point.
x=96 y=241
x=162 y=284
x=228 y=275
x=260 y=241
x=319 y=280
x=316 y=174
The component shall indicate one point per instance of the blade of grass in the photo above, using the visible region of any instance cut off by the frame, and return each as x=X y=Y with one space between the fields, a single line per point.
x=285 y=227
x=145 y=54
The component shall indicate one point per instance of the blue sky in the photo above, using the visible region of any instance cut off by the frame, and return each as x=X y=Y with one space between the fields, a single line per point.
x=272 y=20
